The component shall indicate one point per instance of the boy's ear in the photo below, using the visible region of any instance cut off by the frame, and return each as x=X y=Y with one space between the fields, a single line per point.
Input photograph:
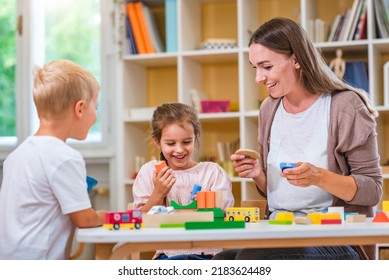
x=79 y=108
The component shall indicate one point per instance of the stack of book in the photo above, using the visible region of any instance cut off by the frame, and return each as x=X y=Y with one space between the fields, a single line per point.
x=381 y=9
x=356 y=75
x=141 y=29
x=351 y=25
x=317 y=30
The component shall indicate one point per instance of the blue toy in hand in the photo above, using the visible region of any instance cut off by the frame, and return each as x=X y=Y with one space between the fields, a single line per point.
x=91 y=182
x=196 y=188
x=284 y=165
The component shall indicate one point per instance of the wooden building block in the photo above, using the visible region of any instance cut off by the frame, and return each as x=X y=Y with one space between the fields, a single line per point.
x=161 y=164
x=315 y=217
x=337 y=209
x=214 y=225
x=218 y=213
x=176 y=206
x=381 y=217
x=331 y=216
x=218 y=199
x=385 y=205
x=155 y=221
x=285 y=216
x=359 y=218
x=331 y=221
x=200 y=198
x=280 y=222
x=209 y=199
x=302 y=220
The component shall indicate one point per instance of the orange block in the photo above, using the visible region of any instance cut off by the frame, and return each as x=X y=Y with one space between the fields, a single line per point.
x=210 y=199
x=160 y=165
x=381 y=217
x=200 y=197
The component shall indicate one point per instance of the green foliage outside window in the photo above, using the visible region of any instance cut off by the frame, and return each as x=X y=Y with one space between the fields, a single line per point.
x=73 y=33
x=7 y=67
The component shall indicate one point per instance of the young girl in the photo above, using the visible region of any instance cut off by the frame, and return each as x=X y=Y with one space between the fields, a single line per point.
x=175 y=131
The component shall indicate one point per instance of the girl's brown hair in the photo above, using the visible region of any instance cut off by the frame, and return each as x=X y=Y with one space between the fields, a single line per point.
x=173 y=113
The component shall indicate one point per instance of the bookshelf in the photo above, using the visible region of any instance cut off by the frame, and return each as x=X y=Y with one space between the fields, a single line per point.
x=146 y=80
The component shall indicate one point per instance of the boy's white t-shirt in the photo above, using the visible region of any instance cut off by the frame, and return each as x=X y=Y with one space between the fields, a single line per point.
x=294 y=138
x=44 y=180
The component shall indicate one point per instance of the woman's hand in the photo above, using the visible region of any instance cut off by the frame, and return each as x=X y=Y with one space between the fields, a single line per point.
x=246 y=167
x=303 y=175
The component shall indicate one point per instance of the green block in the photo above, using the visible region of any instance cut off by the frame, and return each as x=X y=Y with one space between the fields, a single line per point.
x=192 y=205
x=214 y=225
x=172 y=225
x=276 y=222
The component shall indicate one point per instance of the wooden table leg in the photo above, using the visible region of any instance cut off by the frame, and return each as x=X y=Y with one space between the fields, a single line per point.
x=103 y=251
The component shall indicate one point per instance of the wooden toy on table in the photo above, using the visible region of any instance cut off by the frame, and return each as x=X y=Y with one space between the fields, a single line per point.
x=161 y=164
x=248 y=153
x=176 y=218
x=283 y=218
x=356 y=218
x=385 y=205
x=247 y=214
x=129 y=219
x=302 y=220
x=331 y=218
x=381 y=217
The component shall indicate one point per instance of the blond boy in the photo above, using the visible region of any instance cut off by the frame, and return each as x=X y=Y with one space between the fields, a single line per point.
x=44 y=196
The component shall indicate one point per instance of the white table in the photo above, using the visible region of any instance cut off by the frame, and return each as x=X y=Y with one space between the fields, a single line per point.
x=255 y=235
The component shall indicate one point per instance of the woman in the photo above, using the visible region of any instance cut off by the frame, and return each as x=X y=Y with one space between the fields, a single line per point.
x=319 y=123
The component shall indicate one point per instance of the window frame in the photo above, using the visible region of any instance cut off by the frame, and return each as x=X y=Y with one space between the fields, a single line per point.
x=25 y=56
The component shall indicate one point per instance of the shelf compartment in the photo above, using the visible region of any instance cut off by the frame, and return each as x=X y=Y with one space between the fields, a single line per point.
x=149 y=86
x=256 y=12
x=213 y=79
x=208 y=19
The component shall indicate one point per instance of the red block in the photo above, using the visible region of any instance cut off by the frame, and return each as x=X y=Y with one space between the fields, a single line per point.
x=331 y=221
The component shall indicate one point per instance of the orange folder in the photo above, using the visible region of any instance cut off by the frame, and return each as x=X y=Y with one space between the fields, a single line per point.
x=143 y=26
x=138 y=37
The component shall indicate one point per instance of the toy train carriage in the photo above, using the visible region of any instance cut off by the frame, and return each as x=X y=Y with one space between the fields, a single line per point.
x=247 y=214
x=129 y=219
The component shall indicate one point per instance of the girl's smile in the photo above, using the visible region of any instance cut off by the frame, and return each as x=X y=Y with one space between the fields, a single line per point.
x=177 y=145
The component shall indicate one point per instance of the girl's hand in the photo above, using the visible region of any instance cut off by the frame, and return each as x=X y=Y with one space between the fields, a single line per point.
x=303 y=175
x=163 y=182
x=246 y=167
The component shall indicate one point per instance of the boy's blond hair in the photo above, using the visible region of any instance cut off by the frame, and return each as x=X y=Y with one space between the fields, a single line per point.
x=60 y=84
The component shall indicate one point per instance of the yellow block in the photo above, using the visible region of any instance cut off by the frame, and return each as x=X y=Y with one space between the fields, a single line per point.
x=385 y=205
x=315 y=217
x=331 y=216
x=285 y=216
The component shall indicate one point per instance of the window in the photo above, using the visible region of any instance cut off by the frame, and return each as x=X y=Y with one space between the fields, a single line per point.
x=51 y=30
x=72 y=31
